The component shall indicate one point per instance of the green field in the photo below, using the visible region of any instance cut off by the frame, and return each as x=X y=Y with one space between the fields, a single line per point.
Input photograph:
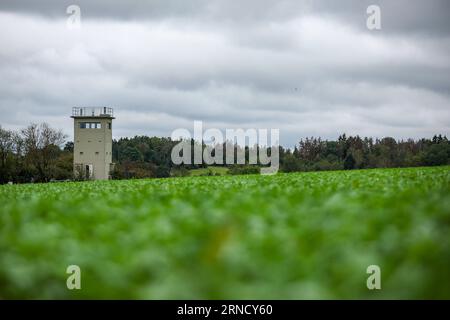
x=294 y=236
x=210 y=170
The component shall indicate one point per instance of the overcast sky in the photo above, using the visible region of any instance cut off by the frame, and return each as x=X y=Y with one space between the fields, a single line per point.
x=309 y=68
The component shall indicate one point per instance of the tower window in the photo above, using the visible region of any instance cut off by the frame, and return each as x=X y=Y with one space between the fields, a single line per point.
x=109 y=125
x=81 y=153
x=90 y=125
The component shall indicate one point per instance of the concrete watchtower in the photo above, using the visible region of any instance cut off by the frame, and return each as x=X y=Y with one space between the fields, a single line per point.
x=92 y=153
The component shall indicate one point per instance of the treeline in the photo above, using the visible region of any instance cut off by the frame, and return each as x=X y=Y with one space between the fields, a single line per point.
x=34 y=154
x=146 y=157
x=361 y=153
x=38 y=154
x=142 y=156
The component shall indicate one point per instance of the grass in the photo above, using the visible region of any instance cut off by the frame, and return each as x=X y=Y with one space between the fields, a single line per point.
x=293 y=236
x=211 y=169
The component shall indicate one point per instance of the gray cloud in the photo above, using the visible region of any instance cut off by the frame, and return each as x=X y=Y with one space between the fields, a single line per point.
x=306 y=67
x=431 y=17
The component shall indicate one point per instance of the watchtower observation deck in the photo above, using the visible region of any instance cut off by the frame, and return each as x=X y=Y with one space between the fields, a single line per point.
x=92 y=112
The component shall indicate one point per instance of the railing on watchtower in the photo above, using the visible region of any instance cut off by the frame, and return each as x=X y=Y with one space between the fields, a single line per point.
x=92 y=112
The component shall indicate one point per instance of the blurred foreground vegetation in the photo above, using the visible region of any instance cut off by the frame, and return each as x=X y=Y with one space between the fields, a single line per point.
x=294 y=236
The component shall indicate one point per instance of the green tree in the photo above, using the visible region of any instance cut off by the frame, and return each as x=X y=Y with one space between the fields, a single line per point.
x=349 y=162
x=42 y=149
x=437 y=154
